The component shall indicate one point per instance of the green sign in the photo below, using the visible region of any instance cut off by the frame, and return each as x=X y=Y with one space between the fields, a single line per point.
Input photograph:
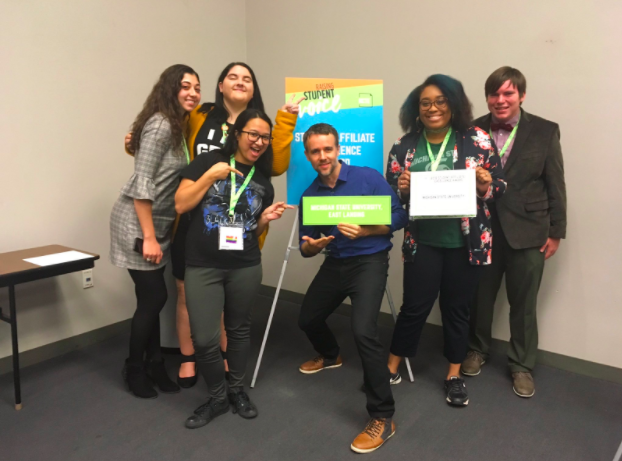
x=330 y=211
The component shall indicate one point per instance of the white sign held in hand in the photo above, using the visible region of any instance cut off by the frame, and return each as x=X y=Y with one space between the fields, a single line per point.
x=443 y=194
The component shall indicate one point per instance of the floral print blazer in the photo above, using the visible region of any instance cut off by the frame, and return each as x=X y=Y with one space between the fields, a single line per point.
x=473 y=148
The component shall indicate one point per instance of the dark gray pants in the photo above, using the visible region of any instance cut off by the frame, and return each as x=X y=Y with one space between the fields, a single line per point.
x=209 y=292
x=523 y=273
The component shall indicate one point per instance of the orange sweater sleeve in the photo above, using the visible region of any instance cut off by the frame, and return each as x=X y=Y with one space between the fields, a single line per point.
x=283 y=134
x=281 y=145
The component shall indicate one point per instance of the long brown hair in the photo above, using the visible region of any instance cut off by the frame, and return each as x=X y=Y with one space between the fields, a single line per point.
x=163 y=99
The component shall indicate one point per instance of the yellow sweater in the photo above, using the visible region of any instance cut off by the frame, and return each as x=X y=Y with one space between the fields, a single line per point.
x=283 y=134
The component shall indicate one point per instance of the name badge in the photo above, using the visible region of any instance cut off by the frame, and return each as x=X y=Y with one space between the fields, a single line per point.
x=231 y=238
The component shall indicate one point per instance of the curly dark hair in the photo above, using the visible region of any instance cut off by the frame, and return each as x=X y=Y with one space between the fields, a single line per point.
x=163 y=99
x=264 y=163
x=218 y=110
x=452 y=89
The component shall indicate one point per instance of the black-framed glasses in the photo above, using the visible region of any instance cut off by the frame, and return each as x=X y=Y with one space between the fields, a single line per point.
x=440 y=103
x=254 y=137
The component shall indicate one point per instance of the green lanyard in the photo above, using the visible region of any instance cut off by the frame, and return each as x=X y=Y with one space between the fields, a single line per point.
x=185 y=147
x=509 y=141
x=436 y=161
x=235 y=196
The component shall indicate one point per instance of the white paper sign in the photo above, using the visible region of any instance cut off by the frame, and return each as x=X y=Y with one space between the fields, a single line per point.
x=443 y=194
x=231 y=238
x=57 y=258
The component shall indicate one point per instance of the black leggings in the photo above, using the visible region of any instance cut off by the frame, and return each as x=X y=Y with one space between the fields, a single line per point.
x=151 y=297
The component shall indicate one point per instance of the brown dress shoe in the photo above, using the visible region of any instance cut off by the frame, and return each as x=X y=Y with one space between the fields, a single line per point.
x=472 y=365
x=377 y=431
x=523 y=384
x=318 y=364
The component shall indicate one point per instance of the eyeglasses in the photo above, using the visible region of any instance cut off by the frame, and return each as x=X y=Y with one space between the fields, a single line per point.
x=254 y=137
x=440 y=103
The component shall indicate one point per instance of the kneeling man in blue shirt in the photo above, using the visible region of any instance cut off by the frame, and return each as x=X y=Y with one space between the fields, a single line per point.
x=356 y=266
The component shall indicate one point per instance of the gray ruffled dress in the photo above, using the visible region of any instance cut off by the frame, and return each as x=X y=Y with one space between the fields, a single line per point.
x=156 y=177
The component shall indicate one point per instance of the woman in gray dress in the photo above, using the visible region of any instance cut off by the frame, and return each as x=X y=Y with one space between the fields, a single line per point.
x=142 y=217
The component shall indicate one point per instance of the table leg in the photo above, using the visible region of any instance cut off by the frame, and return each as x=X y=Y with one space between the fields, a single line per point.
x=16 y=380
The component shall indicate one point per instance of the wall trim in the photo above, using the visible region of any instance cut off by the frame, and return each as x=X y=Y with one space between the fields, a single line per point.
x=552 y=359
x=64 y=346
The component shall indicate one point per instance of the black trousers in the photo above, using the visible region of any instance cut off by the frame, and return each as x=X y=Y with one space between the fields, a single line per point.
x=363 y=279
x=434 y=270
x=151 y=295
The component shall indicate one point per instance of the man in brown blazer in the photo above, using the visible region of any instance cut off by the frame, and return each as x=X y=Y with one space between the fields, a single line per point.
x=527 y=225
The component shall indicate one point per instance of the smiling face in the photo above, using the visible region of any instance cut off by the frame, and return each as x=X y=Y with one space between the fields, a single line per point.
x=237 y=87
x=250 y=143
x=504 y=104
x=322 y=151
x=190 y=94
x=432 y=116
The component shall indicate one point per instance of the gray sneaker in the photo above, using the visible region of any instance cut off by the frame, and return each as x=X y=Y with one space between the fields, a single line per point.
x=472 y=365
x=523 y=384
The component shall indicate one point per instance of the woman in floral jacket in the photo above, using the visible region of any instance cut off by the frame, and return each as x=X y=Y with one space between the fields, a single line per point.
x=442 y=255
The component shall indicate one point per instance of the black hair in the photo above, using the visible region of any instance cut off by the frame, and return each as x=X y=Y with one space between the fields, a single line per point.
x=164 y=99
x=452 y=89
x=320 y=128
x=264 y=163
x=218 y=110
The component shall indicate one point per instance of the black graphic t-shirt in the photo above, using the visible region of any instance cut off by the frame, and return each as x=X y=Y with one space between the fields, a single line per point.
x=210 y=136
x=213 y=212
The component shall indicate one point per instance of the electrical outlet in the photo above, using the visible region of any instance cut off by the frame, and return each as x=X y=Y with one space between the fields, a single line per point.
x=87 y=278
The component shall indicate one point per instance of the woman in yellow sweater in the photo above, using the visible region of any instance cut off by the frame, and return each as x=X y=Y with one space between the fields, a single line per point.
x=208 y=127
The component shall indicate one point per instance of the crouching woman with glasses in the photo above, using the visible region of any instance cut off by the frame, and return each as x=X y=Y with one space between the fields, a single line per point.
x=229 y=195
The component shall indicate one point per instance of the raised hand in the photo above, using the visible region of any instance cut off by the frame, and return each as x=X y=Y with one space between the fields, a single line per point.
x=318 y=244
x=275 y=211
x=403 y=183
x=483 y=179
x=291 y=106
x=222 y=170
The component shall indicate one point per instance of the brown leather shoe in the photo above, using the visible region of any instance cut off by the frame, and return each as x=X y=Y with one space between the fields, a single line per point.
x=472 y=365
x=318 y=364
x=523 y=384
x=377 y=431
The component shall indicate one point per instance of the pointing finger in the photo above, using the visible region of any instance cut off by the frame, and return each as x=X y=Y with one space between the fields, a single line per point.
x=300 y=100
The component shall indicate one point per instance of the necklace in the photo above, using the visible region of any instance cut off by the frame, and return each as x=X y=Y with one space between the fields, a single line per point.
x=438 y=130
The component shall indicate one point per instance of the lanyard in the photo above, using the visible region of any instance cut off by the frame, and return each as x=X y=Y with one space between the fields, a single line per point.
x=509 y=140
x=185 y=147
x=235 y=196
x=436 y=161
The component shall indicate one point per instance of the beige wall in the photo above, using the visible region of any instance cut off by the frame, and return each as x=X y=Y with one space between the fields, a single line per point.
x=74 y=75
x=570 y=53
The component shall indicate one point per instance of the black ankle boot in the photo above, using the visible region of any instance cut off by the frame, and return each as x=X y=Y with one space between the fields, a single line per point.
x=137 y=381
x=187 y=383
x=157 y=373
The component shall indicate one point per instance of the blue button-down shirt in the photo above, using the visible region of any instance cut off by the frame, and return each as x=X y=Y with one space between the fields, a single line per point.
x=353 y=181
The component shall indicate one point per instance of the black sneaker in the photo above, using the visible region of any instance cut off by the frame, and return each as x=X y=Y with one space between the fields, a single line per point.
x=206 y=412
x=456 y=392
x=395 y=378
x=241 y=404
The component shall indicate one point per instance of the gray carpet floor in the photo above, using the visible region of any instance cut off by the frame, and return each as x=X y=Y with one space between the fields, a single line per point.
x=76 y=408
